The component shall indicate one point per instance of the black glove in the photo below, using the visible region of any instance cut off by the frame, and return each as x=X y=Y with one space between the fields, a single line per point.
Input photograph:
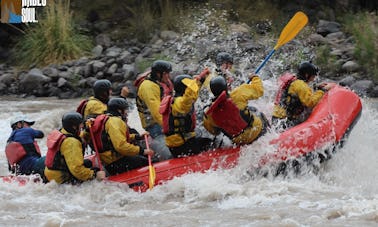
x=95 y=169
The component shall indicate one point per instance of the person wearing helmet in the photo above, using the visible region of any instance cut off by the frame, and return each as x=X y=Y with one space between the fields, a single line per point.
x=117 y=151
x=22 y=151
x=150 y=92
x=179 y=117
x=102 y=90
x=224 y=62
x=229 y=112
x=65 y=155
x=295 y=98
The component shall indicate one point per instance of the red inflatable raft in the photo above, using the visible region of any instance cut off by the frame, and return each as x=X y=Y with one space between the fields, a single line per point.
x=328 y=126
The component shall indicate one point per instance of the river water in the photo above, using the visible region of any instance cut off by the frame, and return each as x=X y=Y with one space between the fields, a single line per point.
x=343 y=193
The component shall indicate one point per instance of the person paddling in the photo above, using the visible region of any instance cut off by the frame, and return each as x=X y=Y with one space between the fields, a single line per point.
x=295 y=98
x=229 y=112
x=22 y=151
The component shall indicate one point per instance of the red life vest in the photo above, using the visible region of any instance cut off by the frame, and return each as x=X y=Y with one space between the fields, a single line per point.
x=186 y=123
x=100 y=136
x=53 y=156
x=81 y=108
x=226 y=115
x=14 y=151
x=284 y=81
x=97 y=130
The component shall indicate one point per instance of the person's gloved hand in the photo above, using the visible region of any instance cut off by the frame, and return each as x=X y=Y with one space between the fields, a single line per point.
x=148 y=152
x=124 y=92
x=251 y=76
x=202 y=76
x=326 y=86
x=100 y=175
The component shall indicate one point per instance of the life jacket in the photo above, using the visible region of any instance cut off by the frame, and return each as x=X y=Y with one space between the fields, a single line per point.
x=228 y=117
x=54 y=159
x=290 y=103
x=100 y=135
x=141 y=105
x=284 y=83
x=81 y=107
x=186 y=123
x=15 y=151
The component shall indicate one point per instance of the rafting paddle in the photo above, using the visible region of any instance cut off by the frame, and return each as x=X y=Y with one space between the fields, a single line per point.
x=152 y=176
x=295 y=25
x=97 y=154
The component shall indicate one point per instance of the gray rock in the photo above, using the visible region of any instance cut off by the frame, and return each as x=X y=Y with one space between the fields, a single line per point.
x=129 y=71
x=65 y=75
x=350 y=66
x=112 y=69
x=168 y=35
x=347 y=81
x=98 y=66
x=7 y=79
x=103 y=40
x=325 y=27
x=61 y=82
x=50 y=72
x=97 y=50
x=363 y=87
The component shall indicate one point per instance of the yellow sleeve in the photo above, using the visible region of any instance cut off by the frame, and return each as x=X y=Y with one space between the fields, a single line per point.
x=245 y=92
x=72 y=151
x=183 y=104
x=305 y=94
x=209 y=124
x=149 y=92
x=116 y=129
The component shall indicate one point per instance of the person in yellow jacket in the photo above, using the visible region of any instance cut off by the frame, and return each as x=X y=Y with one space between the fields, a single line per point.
x=149 y=95
x=65 y=156
x=96 y=104
x=230 y=113
x=117 y=152
x=295 y=98
x=179 y=117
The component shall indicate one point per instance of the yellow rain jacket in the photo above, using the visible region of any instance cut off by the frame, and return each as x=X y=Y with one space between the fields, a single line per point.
x=304 y=93
x=116 y=130
x=72 y=151
x=94 y=107
x=240 y=97
x=148 y=103
x=183 y=105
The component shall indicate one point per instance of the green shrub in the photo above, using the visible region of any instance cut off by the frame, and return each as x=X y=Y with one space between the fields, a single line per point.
x=53 y=39
x=364 y=28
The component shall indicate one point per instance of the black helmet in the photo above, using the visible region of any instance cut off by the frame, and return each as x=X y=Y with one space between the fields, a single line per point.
x=306 y=70
x=102 y=87
x=160 y=66
x=116 y=104
x=223 y=57
x=71 y=119
x=218 y=85
x=179 y=86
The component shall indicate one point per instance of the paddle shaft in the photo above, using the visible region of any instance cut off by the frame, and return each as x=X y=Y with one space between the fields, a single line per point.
x=295 y=25
x=148 y=147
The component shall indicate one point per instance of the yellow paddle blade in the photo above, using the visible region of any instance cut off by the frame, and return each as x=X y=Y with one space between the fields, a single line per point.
x=152 y=176
x=191 y=84
x=295 y=25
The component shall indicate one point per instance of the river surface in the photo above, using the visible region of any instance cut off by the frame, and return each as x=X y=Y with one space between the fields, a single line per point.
x=343 y=193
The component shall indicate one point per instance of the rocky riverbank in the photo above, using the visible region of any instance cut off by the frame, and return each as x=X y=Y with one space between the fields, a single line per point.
x=120 y=61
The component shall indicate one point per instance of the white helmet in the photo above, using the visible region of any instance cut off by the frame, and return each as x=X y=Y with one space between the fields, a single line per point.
x=19 y=118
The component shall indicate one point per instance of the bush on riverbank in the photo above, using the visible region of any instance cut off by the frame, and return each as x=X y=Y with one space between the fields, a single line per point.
x=53 y=39
x=364 y=28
